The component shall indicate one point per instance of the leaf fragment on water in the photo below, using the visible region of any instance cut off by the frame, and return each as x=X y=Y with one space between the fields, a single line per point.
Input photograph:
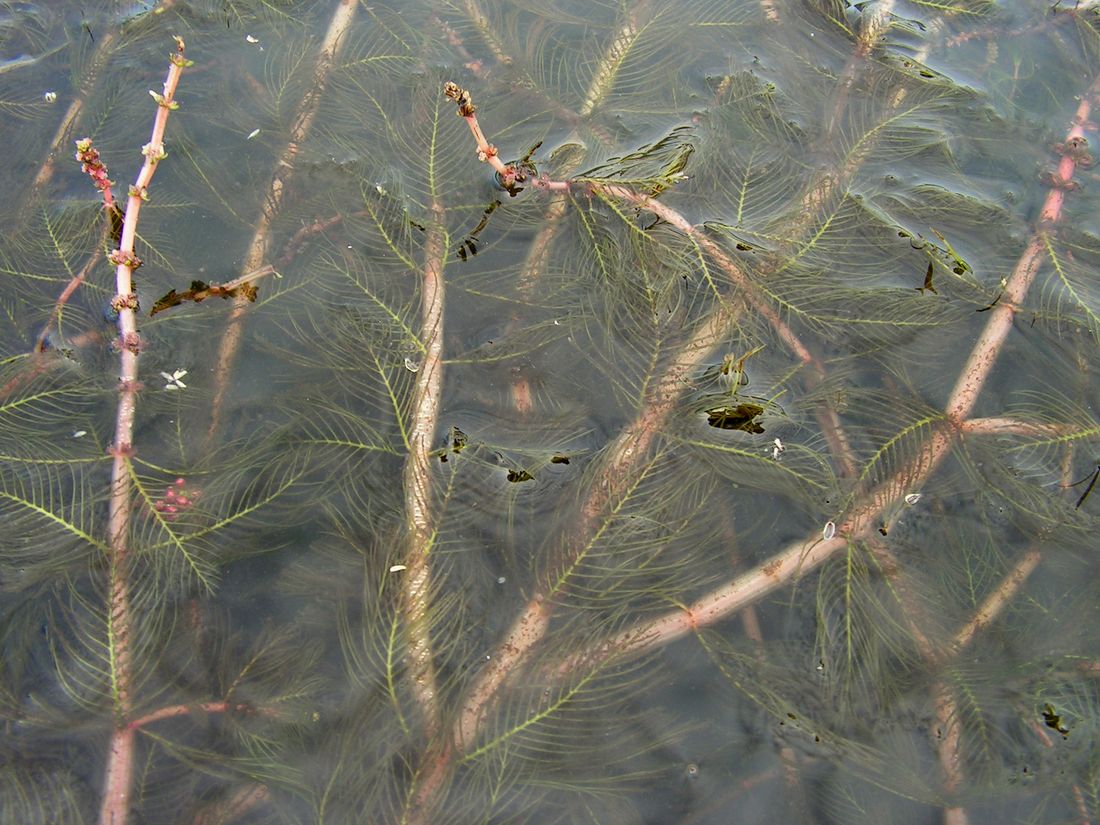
x=741 y=417
x=200 y=291
x=1052 y=719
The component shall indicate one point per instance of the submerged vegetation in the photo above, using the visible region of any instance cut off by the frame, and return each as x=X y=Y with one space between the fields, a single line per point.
x=725 y=452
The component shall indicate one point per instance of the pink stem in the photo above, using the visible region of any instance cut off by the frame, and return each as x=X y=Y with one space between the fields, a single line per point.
x=115 y=807
x=174 y=711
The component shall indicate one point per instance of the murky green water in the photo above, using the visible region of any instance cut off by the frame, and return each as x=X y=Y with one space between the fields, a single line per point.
x=738 y=469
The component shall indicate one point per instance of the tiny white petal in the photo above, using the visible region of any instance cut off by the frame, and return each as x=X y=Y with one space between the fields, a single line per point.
x=397 y=568
x=912 y=499
x=178 y=374
x=829 y=531
x=250 y=39
x=171 y=386
x=252 y=134
x=166 y=376
x=411 y=365
x=80 y=433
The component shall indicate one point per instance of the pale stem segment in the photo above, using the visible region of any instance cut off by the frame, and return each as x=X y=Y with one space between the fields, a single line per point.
x=120 y=762
x=334 y=40
x=420 y=526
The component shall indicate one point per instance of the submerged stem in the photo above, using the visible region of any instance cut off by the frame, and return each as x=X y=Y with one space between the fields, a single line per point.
x=254 y=259
x=861 y=520
x=420 y=527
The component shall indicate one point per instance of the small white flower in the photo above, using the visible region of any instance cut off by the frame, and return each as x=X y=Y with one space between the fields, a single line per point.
x=50 y=97
x=173 y=379
x=777 y=449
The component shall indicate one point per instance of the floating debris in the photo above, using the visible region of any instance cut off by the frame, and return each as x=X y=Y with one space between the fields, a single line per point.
x=1053 y=720
x=742 y=417
x=829 y=531
x=200 y=291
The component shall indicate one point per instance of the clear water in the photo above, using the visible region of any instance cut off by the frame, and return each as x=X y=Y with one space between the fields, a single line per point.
x=714 y=514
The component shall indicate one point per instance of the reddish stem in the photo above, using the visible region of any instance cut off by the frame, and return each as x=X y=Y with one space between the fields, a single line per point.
x=174 y=711
x=120 y=763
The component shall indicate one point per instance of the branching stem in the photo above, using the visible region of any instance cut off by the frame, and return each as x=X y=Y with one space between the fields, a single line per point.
x=803 y=556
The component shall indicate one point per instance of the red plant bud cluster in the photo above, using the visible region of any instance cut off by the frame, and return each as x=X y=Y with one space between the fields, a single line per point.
x=91 y=165
x=176 y=499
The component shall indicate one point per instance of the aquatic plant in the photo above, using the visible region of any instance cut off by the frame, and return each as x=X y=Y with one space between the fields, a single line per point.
x=738 y=433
